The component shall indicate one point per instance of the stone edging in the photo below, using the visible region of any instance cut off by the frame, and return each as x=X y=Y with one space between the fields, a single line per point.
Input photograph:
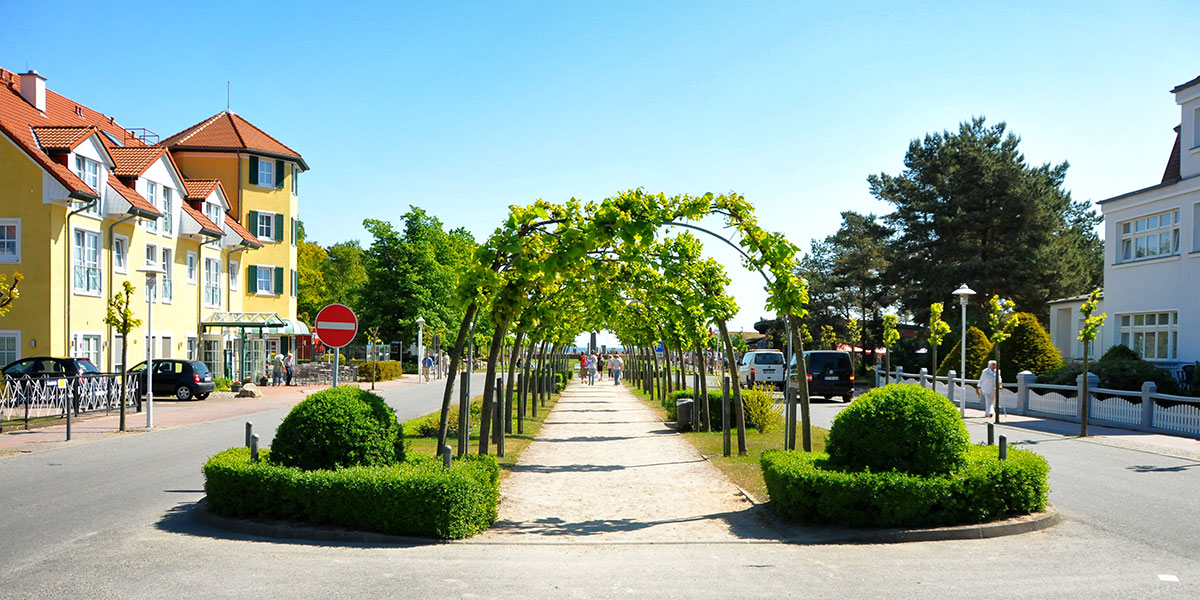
x=1012 y=526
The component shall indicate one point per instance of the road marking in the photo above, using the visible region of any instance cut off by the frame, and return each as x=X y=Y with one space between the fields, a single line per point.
x=1168 y=578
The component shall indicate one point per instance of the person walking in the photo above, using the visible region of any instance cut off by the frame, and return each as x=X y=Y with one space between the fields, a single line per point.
x=289 y=365
x=616 y=365
x=591 y=366
x=427 y=366
x=601 y=362
x=582 y=366
x=276 y=369
x=987 y=385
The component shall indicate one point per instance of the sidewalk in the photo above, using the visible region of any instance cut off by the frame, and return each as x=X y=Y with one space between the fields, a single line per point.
x=1157 y=443
x=168 y=412
x=605 y=469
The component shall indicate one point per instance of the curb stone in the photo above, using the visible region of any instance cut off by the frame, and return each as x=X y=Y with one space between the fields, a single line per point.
x=283 y=530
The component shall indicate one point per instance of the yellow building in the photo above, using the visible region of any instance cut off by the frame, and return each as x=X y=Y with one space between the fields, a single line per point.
x=85 y=203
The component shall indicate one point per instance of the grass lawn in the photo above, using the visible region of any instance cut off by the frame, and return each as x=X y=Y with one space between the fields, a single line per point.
x=742 y=470
x=514 y=443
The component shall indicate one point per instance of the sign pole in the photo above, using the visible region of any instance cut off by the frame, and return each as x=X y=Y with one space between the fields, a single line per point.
x=337 y=358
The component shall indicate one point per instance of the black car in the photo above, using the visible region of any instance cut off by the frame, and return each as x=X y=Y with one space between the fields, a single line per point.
x=184 y=379
x=830 y=374
x=41 y=366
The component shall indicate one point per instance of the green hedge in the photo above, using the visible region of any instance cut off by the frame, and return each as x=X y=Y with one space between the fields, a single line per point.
x=418 y=498
x=339 y=427
x=385 y=370
x=805 y=487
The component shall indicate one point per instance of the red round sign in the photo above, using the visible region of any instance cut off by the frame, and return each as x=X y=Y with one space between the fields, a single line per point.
x=336 y=325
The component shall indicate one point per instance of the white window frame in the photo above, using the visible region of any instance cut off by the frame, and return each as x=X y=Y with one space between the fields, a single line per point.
x=120 y=250
x=78 y=339
x=234 y=273
x=166 y=279
x=213 y=211
x=295 y=180
x=89 y=172
x=151 y=259
x=15 y=256
x=15 y=335
x=269 y=180
x=270 y=225
x=1136 y=329
x=258 y=280
x=212 y=283
x=79 y=260
x=152 y=198
x=193 y=267
x=168 y=212
x=192 y=347
x=1141 y=241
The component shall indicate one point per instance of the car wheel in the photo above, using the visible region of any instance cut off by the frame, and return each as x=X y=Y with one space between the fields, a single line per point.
x=847 y=397
x=183 y=393
x=202 y=396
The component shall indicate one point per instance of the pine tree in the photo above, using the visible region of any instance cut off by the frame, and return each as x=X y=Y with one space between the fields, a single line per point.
x=978 y=349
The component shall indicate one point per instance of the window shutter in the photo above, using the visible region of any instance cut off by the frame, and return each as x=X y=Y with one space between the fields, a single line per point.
x=279 y=174
x=251 y=279
x=295 y=283
x=279 y=281
x=293 y=232
x=252 y=226
x=278 y=227
x=254 y=170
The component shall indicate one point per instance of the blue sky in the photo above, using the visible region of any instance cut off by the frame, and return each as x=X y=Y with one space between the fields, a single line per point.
x=466 y=108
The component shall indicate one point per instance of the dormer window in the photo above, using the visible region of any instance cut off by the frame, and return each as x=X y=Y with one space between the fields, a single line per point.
x=213 y=212
x=89 y=171
x=152 y=196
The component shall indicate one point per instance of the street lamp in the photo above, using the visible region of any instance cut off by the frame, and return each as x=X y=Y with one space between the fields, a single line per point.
x=421 y=348
x=152 y=271
x=964 y=294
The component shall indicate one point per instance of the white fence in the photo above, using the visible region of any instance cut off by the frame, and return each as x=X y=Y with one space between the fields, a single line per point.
x=1146 y=410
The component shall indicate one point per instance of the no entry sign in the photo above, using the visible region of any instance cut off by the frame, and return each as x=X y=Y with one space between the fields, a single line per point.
x=336 y=325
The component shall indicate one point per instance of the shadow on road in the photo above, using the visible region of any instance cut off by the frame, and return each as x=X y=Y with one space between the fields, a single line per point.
x=591 y=468
x=746 y=524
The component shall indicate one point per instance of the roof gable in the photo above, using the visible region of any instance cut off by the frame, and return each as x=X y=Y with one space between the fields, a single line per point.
x=230 y=132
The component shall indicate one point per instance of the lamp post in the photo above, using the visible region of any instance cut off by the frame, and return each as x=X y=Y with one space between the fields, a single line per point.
x=421 y=349
x=152 y=272
x=964 y=294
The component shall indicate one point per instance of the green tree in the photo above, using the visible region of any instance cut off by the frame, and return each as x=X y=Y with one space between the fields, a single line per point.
x=1091 y=324
x=345 y=274
x=1029 y=349
x=968 y=208
x=890 y=337
x=311 y=265
x=859 y=258
x=11 y=293
x=937 y=331
x=120 y=317
x=1002 y=321
x=978 y=349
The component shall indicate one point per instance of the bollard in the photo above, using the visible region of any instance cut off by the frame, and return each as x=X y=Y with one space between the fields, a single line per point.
x=446 y=450
x=1003 y=448
x=254 y=448
x=991 y=433
x=68 y=401
x=249 y=432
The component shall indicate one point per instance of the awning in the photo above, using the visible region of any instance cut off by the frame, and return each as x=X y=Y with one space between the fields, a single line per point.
x=244 y=320
x=294 y=327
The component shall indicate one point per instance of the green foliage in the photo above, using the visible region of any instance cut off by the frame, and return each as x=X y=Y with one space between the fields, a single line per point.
x=1029 y=349
x=899 y=426
x=339 y=427
x=428 y=427
x=222 y=384
x=890 y=335
x=1091 y=324
x=978 y=349
x=384 y=370
x=419 y=498
x=1119 y=369
x=808 y=487
x=1001 y=319
x=120 y=312
x=758 y=408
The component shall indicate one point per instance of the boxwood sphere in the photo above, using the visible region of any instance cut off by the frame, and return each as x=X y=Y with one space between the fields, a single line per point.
x=339 y=427
x=900 y=426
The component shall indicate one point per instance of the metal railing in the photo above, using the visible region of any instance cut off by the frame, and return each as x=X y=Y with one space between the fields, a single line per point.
x=26 y=398
x=1144 y=410
x=318 y=373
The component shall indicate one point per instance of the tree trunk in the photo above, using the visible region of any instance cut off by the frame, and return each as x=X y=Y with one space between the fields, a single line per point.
x=455 y=360
x=508 y=388
x=802 y=384
x=703 y=391
x=738 y=413
x=489 y=383
x=1083 y=402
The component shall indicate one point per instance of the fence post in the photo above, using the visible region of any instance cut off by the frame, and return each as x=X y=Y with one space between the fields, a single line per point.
x=924 y=374
x=1149 y=388
x=1024 y=380
x=899 y=374
x=950 y=385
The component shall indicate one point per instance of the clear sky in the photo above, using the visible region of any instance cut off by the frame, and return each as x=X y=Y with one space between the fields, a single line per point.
x=466 y=108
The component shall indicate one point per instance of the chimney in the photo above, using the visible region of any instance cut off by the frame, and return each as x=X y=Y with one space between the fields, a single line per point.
x=33 y=89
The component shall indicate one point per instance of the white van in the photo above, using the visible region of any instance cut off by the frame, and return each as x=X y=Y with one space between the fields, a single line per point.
x=763 y=366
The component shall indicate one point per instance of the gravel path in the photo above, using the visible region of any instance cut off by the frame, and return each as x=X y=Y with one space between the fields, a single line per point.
x=605 y=469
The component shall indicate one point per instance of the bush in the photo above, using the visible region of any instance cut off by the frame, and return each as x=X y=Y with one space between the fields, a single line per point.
x=223 y=384
x=758 y=406
x=899 y=426
x=1029 y=349
x=807 y=487
x=1119 y=369
x=428 y=427
x=386 y=370
x=418 y=498
x=978 y=351
x=339 y=427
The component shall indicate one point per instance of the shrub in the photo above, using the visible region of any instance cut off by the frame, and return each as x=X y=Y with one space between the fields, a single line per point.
x=428 y=427
x=385 y=370
x=339 y=427
x=222 y=384
x=418 y=498
x=899 y=426
x=1029 y=349
x=807 y=487
x=758 y=406
x=979 y=349
x=1119 y=369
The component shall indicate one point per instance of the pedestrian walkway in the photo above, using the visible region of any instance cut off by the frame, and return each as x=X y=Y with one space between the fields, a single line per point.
x=605 y=469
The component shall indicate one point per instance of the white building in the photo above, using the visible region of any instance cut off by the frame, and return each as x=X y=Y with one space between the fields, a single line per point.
x=1151 y=259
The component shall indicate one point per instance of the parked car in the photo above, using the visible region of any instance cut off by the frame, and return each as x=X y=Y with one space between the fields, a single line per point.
x=40 y=366
x=829 y=374
x=184 y=379
x=762 y=366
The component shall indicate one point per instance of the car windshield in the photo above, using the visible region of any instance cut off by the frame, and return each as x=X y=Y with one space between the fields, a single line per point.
x=768 y=358
x=86 y=366
x=828 y=362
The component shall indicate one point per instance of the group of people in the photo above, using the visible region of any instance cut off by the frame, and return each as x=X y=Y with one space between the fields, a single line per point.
x=281 y=368
x=591 y=365
x=429 y=362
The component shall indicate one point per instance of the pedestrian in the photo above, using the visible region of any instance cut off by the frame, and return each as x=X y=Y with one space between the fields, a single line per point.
x=276 y=369
x=582 y=366
x=446 y=364
x=616 y=365
x=427 y=366
x=601 y=362
x=591 y=366
x=289 y=364
x=987 y=385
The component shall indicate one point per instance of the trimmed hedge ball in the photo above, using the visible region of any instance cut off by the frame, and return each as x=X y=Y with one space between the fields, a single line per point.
x=339 y=427
x=903 y=427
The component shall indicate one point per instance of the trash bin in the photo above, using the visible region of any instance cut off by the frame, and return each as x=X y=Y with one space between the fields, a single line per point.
x=683 y=414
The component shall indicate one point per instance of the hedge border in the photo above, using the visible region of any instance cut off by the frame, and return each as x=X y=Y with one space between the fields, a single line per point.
x=417 y=498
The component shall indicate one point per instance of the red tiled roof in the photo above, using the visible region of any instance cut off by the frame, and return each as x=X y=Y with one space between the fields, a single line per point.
x=238 y=229
x=205 y=223
x=1172 y=171
x=227 y=131
x=200 y=189
x=132 y=161
x=135 y=199
x=61 y=138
